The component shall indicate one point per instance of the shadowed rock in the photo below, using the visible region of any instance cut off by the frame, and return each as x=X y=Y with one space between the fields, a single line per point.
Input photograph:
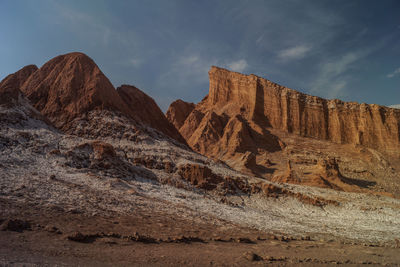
x=10 y=86
x=178 y=112
x=145 y=110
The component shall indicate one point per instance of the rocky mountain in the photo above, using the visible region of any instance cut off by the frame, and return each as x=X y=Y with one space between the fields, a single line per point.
x=267 y=103
x=69 y=86
x=10 y=86
x=268 y=130
x=81 y=162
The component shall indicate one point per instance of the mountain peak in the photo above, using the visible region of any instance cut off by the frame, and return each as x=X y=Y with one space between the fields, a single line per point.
x=69 y=85
x=10 y=86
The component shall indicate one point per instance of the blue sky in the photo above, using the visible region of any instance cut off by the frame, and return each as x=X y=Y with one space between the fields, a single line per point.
x=333 y=49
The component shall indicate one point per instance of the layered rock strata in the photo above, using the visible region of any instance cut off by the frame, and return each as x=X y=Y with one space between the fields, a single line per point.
x=279 y=107
x=247 y=121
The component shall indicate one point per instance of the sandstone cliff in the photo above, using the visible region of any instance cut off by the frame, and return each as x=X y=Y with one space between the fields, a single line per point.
x=257 y=126
x=282 y=108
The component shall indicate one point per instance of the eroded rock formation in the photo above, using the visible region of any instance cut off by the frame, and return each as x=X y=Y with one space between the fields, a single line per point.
x=178 y=112
x=279 y=107
x=69 y=86
x=145 y=110
x=246 y=121
x=10 y=86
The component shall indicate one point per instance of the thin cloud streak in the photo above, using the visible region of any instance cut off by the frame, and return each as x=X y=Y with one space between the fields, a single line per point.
x=332 y=80
x=239 y=66
x=294 y=53
x=394 y=73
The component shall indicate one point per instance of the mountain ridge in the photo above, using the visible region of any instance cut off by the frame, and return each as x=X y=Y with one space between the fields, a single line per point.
x=69 y=86
x=260 y=127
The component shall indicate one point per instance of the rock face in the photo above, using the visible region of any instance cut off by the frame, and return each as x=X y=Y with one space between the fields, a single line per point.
x=69 y=86
x=222 y=125
x=285 y=109
x=248 y=122
x=145 y=110
x=200 y=176
x=178 y=112
x=10 y=86
x=324 y=174
x=260 y=102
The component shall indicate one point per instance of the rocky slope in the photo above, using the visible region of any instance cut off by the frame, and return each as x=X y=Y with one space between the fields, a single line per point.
x=10 y=86
x=109 y=175
x=69 y=86
x=112 y=166
x=260 y=127
x=145 y=110
x=178 y=112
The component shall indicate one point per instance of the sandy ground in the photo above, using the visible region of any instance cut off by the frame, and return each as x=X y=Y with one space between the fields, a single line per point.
x=164 y=241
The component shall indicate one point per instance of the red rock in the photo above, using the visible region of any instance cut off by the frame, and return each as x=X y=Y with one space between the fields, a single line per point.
x=68 y=86
x=222 y=125
x=145 y=110
x=103 y=150
x=10 y=86
x=191 y=123
x=200 y=176
x=285 y=109
x=246 y=113
x=178 y=111
x=71 y=85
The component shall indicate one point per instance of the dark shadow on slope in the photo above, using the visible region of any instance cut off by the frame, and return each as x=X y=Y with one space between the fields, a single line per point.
x=358 y=182
x=262 y=170
x=266 y=140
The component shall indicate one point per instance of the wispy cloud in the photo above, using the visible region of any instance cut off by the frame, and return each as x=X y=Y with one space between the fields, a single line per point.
x=190 y=68
x=332 y=78
x=92 y=27
x=334 y=75
x=394 y=73
x=83 y=22
x=292 y=53
x=238 y=66
x=135 y=62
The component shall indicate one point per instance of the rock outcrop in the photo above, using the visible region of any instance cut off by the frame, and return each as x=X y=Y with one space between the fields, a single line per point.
x=178 y=112
x=69 y=86
x=246 y=120
x=10 y=86
x=145 y=110
x=200 y=176
x=325 y=174
x=279 y=107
